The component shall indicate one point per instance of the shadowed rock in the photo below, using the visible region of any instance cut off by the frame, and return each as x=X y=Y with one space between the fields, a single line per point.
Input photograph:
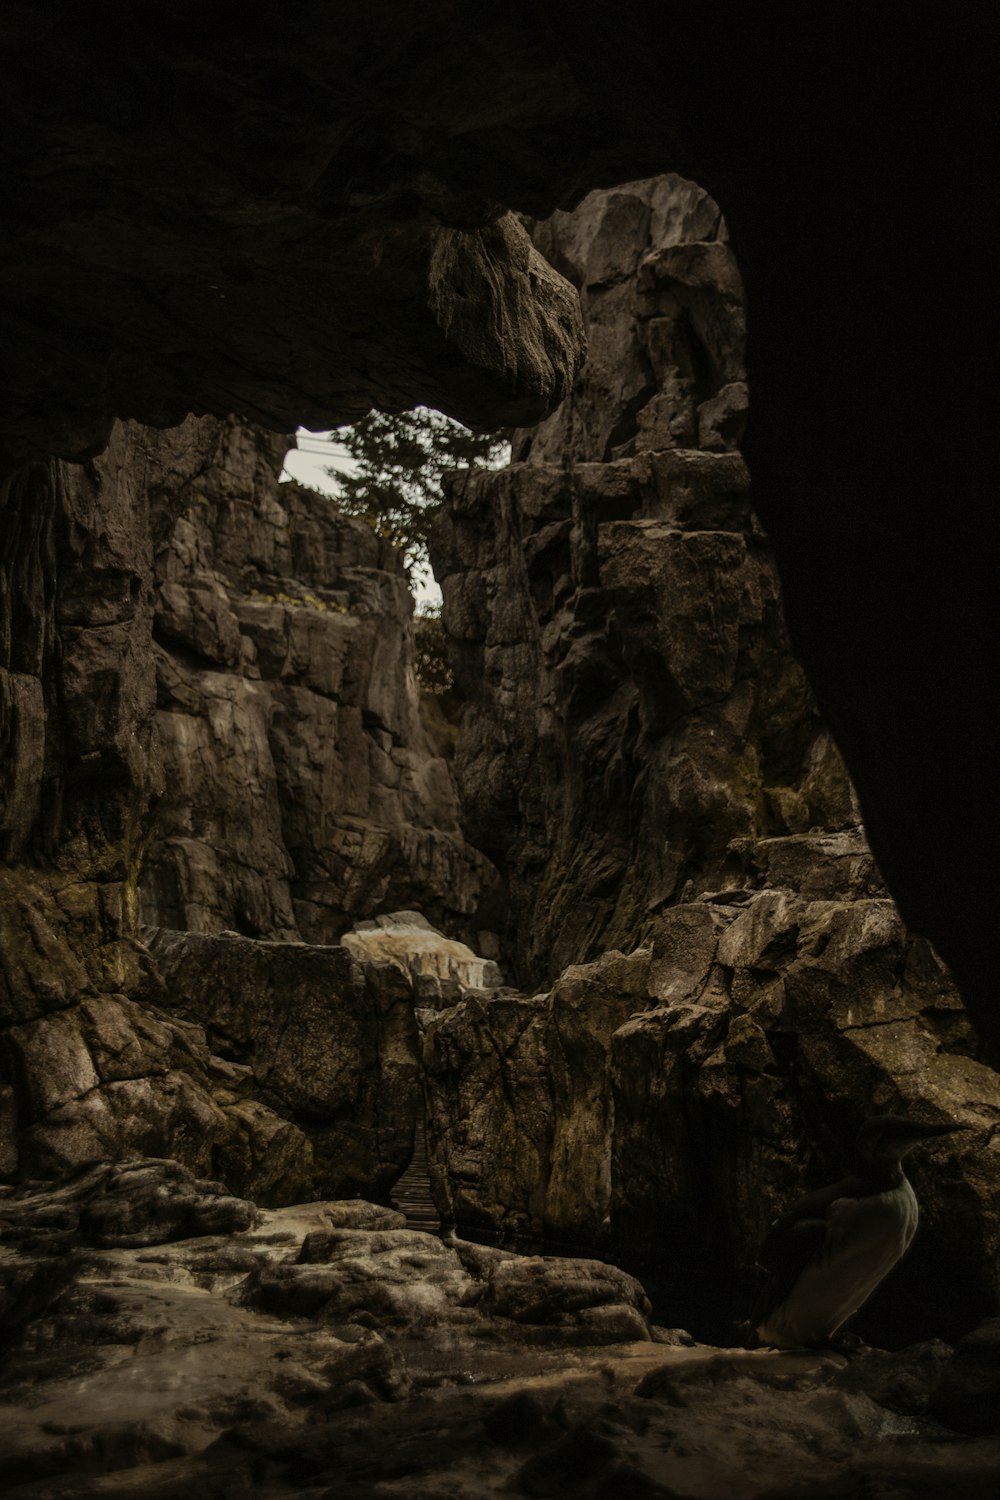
x=323 y=1347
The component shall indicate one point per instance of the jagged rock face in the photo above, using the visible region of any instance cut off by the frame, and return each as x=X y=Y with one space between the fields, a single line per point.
x=327 y=1048
x=302 y=791
x=635 y=718
x=278 y=1068
x=77 y=695
x=185 y=1342
x=281 y=729
x=669 y=1104
x=320 y=207
x=641 y=755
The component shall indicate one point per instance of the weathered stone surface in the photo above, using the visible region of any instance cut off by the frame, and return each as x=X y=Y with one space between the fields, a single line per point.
x=96 y=1058
x=440 y=967
x=302 y=791
x=327 y=1047
x=127 y=1205
x=98 y=1074
x=320 y=1349
x=635 y=719
x=519 y=1103
x=669 y=1104
x=808 y=1016
x=87 y=1070
x=641 y=755
x=193 y=197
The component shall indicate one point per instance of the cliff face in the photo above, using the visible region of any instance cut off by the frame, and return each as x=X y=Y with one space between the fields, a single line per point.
x=302 y=791
x=636 y=720
x=666 y=1104
x=309 y=221
x=283 y=786
x=80 y=764
x=640 y=754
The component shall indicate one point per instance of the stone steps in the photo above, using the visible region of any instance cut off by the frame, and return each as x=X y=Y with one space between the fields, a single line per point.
x=412 y=1193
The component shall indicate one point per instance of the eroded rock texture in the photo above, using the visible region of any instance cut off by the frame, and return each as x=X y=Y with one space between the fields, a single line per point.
x=636 y=718
x=301 y=788
x=80 y=764
x=294 y=787
x=311 y=1039
x=184 y=1341
x=440 y=967
x=320 y=208
x=641 y=754
x=666 y=1105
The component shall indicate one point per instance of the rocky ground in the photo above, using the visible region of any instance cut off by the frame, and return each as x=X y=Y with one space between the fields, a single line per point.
x=166 y=1339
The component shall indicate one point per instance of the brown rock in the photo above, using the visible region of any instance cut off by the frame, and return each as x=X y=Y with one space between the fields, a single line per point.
x=328 y=1048
x=821 y=1014
x=302 y=789
x=633 y=713
x=394 y=1361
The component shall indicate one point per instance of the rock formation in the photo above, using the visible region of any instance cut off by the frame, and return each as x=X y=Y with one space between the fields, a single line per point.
x=664 y=1106
x=440 y=967
x=636 y=719
x=184 y=1341
x=311 y=220
x=302 y=791
x=79 y=694
x=640 y=754
x=294 y=790
x=289 y=217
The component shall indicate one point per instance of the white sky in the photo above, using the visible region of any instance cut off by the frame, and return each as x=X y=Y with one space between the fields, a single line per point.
x=318 y=451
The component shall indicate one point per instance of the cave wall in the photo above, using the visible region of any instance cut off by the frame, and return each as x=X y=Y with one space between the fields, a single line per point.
x=87 y=1071
x=663 y=1106
x=635 y=719
x=641 y=755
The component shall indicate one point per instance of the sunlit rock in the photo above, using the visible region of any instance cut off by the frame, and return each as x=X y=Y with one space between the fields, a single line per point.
x=441 y=968
x=324 y=1346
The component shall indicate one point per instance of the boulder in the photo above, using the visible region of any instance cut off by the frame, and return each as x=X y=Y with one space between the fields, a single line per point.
x=440 y=967
x=329 y=1048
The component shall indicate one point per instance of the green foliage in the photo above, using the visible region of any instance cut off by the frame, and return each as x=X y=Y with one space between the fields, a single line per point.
x=401 y=459
x=433 y=671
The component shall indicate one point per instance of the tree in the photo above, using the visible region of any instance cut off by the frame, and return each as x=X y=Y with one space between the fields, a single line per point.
x=431 y=662
x=401 y=459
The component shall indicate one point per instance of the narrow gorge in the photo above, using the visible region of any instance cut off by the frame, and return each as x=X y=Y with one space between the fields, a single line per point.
x=395 y=1091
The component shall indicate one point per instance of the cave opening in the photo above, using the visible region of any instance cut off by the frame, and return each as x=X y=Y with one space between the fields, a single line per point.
x=594 y=946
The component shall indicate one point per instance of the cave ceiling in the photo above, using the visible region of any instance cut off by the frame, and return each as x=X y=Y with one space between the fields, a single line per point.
x=292 y=213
